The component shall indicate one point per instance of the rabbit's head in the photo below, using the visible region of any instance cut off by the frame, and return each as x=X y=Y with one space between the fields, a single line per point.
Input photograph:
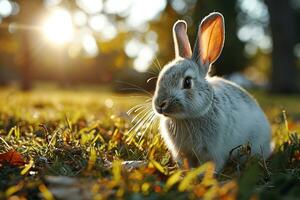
x=182 y=89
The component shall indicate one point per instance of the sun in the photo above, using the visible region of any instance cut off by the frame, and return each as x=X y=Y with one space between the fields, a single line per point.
x=58 y=26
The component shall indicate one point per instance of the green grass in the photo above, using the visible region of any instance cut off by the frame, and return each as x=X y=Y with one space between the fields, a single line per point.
x=82 y=135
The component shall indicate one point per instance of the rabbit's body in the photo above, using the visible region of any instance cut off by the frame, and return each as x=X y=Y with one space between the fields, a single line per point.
x=201 y=117
x=234 y=118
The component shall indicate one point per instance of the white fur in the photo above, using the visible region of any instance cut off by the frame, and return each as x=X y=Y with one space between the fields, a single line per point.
x=210 y=117
x=251 y=127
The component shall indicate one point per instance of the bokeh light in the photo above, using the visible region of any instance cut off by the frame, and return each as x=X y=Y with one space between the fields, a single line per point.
x=144 y=59
x=98 y=22
x=6 y=8
x=80 y=18
x=90 y=6
x=142 y=11
x=50 y=3
x=118 y=7
x=58 y=27
x=90 y=45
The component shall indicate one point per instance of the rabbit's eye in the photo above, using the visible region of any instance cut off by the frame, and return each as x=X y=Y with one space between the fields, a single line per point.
x=187 y=82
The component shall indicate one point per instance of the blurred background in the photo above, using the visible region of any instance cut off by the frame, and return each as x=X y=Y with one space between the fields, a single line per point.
x=116 y=43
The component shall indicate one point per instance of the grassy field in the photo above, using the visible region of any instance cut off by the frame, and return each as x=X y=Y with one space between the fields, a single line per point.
x=76 y=144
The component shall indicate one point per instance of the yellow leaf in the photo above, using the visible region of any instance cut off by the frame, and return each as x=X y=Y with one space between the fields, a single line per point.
x=92 y=159
x=208 y=178
x=99 y=136
x=211 y=193
x=13 y=189
x=229 y=187
x=27 y=167
x=185 y=184
x=45 y=192
x=158 y=166
x=173 y=179
x=146 y=187
x=116 y=170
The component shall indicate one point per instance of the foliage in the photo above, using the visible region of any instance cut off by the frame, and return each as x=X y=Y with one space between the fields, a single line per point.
x=75 y=145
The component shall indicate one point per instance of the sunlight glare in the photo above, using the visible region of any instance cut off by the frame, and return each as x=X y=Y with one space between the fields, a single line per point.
x=74 y=49
x=58 y=27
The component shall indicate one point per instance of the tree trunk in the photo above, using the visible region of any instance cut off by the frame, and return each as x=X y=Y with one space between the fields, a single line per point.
x=283 y=27
x=30 y=11
x=25 y=18
x=26 y=82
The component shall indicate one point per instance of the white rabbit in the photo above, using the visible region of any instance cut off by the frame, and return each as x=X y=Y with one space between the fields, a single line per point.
x=203 y=118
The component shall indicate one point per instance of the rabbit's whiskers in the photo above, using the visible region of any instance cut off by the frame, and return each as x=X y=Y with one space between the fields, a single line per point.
x=143 y=120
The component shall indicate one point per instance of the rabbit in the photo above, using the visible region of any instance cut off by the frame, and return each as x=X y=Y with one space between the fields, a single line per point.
x=203 y=118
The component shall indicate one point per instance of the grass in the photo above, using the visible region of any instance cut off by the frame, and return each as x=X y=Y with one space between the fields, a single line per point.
x=75 y=143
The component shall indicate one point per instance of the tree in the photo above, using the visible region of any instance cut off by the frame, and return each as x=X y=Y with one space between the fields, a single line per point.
x=28 y=15
x=283 y=28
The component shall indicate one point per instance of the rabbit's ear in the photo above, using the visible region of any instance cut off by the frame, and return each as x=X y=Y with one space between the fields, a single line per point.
x=210 y=40
x=181 y=40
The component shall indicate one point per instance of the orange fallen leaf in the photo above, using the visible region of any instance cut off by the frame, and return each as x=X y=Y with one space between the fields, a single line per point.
x=12 y=158
x=297 y=155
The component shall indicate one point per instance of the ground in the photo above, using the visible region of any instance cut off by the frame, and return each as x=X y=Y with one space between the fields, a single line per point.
x=78 y=144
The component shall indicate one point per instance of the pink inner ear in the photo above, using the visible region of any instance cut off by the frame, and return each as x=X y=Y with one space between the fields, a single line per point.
x=181 y=41
x=211 y=36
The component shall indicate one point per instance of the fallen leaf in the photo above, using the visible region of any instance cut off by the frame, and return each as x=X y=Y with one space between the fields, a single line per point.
x=12 y=158
x=158 y=166
x=13 y=189
x=27 y=167
x=116 y=170
x=173 y=179
x=185 y=184
x=45 y=192
x=92 y=159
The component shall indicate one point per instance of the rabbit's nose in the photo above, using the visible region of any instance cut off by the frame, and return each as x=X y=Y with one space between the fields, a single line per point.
x=162 y=106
